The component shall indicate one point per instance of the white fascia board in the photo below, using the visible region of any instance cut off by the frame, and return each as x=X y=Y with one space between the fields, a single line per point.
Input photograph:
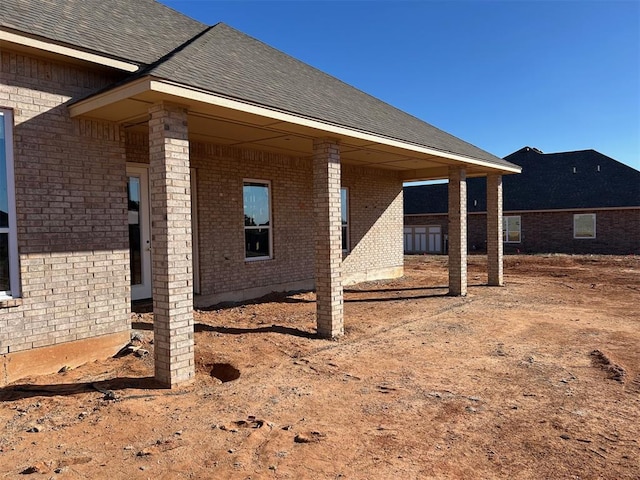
x=67 y=51
x=117 y=94
x=196 y=95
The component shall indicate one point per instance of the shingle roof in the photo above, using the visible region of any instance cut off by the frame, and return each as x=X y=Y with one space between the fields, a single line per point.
x=140 y=31
x=228 y=62
x=547 y=182
x=222 y=61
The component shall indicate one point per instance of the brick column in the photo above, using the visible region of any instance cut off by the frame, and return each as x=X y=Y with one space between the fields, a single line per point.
x=494 y=230
x=328 y=236
x=171 y=244
x=457 y=231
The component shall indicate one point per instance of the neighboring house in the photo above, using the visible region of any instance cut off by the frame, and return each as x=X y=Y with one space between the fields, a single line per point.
x=145 y=154
x=569 y=202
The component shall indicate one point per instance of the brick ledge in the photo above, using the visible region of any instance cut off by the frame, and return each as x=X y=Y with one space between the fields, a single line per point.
x=10 y=302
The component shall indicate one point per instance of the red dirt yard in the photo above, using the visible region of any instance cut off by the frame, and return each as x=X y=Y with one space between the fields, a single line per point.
x=539 y=379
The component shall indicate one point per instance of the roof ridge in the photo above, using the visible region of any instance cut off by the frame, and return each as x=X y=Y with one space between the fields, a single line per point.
x=170 y=54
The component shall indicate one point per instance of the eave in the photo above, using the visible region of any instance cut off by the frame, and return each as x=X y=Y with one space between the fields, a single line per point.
x=220 y=119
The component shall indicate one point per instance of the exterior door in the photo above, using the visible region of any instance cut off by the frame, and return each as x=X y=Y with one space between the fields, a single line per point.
x=408 y=239
x=435 y=239
x=419 y=239
x=139 y=231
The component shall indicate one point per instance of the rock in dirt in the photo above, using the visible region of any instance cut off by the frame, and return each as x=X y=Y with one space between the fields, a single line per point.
x=38 y=467
x=309 y=437
x=614 y=371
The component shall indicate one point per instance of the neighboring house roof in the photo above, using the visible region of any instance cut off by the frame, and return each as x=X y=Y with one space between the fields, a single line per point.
x=225 y=62
x=547 y=182
x=140 y=31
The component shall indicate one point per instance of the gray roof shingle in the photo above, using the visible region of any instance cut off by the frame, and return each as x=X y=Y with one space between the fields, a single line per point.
x=547 y=182
x=140 y=31
x=228 y=62
x=223 y=61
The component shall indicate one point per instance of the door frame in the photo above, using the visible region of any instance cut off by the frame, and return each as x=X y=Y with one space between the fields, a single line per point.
x=143 y=290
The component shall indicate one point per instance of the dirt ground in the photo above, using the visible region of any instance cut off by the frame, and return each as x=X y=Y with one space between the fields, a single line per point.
x=538 y=379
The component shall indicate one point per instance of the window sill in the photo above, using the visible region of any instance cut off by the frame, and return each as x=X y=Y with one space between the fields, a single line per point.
x=257 y=259
x=8 y=302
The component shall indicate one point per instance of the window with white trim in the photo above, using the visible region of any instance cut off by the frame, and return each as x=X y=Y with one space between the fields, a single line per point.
x=257 y=219
x=511 y=232
x=9 y=271
x=344 y=208
x=584 y=225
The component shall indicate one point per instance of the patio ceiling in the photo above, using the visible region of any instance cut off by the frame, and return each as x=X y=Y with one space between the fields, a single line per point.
x=216 y=119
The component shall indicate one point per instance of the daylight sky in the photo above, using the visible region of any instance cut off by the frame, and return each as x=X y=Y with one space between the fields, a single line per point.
x=555 y=75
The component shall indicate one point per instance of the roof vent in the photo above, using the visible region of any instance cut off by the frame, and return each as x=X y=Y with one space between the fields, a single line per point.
x=575 y=170
x=598 y=168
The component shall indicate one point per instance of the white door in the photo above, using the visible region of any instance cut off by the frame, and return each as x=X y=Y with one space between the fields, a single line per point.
x=139 y=231
x=408 y=240
x=435 y=239
x=420 y=239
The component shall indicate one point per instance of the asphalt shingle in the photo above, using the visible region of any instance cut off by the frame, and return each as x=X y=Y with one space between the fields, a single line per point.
x=223 y=61
x=228 y=62
x=140 y=31
x=547 y=182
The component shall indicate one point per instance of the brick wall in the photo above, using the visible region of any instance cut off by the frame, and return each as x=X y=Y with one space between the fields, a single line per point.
x=71 y=209
x=375 y=221
x=617 y=232
x=375 y=200
x=376 y=250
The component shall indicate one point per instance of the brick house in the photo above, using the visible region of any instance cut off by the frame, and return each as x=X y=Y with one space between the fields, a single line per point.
x=569 y=202
x=145 y=154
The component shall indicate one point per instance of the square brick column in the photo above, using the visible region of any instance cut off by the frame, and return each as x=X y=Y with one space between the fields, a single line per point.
x=457 y=231
x=172 y=266
x=494 y=230
x=328 y=237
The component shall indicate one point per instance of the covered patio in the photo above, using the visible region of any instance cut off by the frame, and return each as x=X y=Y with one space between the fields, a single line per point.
x=174 y=111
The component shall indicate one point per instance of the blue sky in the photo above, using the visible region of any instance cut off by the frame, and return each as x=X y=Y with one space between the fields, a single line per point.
x=556 y=75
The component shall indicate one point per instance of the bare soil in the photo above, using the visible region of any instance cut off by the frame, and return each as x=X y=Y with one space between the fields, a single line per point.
x=538 y=379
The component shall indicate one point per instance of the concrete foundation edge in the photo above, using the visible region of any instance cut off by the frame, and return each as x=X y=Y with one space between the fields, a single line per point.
x=46 y=360
x=373 y=274
x=204 y=301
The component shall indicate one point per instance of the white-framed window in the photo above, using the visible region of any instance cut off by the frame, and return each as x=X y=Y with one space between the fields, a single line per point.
x=584 y=225
x=344 y=207
x=511 y=232
x=9 y=268
x=256 y=196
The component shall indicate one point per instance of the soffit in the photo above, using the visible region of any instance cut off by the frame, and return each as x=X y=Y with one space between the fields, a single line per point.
x=221 y=124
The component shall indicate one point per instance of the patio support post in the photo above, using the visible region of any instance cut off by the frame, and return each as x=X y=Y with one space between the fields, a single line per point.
x=171 y=245
x=328 y=237
x=457 y=231
x=494 y=230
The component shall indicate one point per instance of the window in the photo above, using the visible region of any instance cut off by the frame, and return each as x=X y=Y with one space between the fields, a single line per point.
x=344 y=207
x=9 y=272
x=257 y=219
x=584 y=225
x=511 y=229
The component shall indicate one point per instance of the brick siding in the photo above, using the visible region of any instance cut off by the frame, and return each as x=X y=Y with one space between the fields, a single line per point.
x=617 y=232
x=375 y=221
x=71 y=208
